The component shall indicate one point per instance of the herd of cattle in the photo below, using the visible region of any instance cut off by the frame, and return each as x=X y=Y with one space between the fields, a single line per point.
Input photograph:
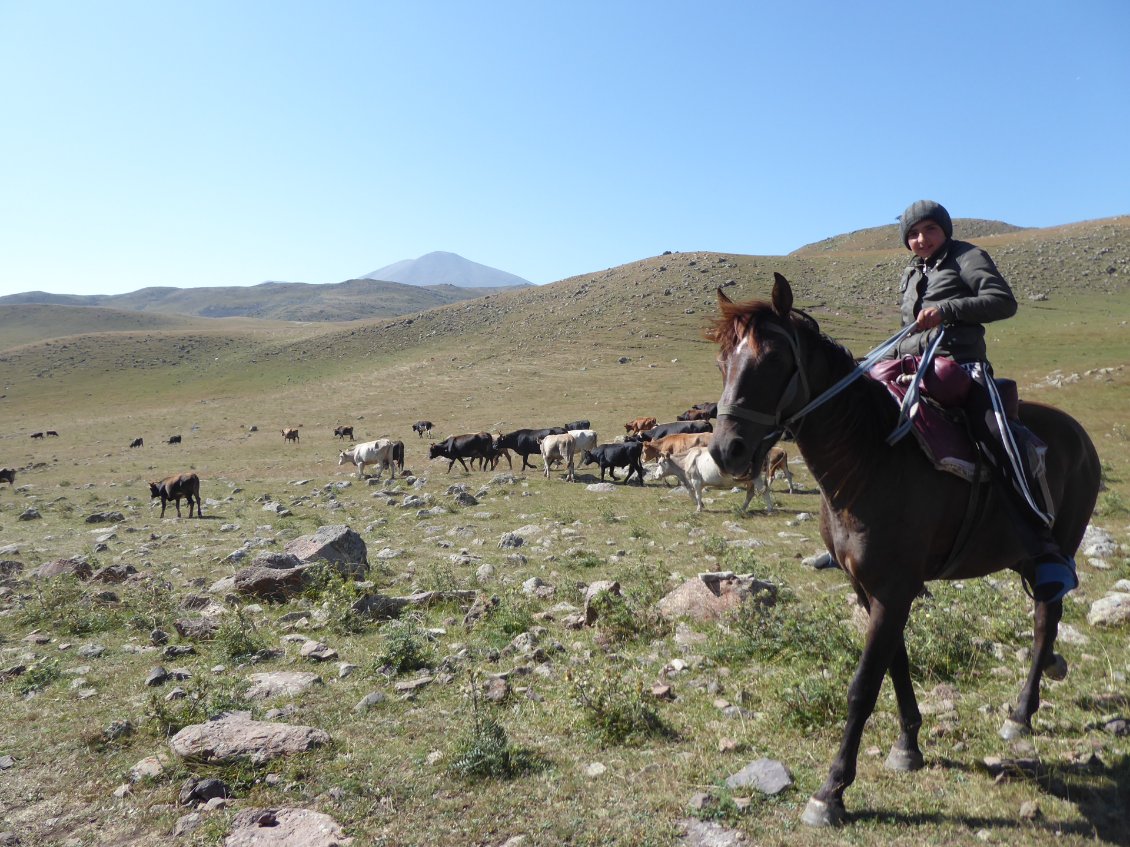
x=680 y=449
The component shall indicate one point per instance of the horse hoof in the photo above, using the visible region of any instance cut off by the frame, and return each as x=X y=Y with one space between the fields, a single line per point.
x=1057 y=668
x=904 y=761
x=819 y=813
x=1013 y=730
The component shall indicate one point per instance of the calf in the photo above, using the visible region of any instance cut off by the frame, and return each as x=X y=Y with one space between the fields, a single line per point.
x=558 y=446
x=680 y=442
x=137 y=442
x=186 y=485
x=524 y=442
x=342 y=431
x=8 y=475
x=377 y=452
x=777 y=462
x=420 y=427
x=175 y=440
x=612 y=456
x=696 y=470
x=638 y=425
x=457 y=448
x=290 y=434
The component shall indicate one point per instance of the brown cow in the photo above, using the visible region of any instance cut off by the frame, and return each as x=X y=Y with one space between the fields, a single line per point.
x=680 y=442
x=290 y=434
x=777 y=462
x=639 y=425
x=186 y=485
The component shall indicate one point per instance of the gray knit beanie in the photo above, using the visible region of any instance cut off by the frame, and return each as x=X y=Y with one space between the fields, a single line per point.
x=920 y=210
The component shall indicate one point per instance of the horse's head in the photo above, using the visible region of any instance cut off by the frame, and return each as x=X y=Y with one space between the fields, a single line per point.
x=764 y=381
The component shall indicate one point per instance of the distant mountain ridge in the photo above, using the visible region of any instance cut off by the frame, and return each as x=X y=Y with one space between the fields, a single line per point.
x=440 y=268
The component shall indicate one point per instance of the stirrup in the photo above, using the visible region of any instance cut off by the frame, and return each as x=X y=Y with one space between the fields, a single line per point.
x=1053 y=579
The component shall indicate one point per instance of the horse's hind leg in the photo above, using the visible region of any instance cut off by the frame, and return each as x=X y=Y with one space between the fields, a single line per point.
x=884 y=637
x=905 y=755
x=1019 y=722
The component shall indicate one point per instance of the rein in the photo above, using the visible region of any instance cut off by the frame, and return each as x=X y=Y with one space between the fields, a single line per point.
x=777 y=419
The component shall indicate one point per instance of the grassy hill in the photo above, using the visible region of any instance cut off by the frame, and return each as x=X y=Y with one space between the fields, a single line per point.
x=606 y=346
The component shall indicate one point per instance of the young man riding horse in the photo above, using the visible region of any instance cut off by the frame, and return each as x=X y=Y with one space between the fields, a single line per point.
x=953 y=287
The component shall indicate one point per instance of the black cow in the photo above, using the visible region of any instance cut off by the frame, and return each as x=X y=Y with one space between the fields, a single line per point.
x=456 y=448
x=695 y=415
x=663 y=429
x=342 y=431
x=52 y=432
x=612 y=456
x=8 y=475
x=397 y=456
x=137 y=442
x=175 y=439
x=186 y=485
x=420 y=427
x=578 y=425
x=37 y=435
x=524 y=442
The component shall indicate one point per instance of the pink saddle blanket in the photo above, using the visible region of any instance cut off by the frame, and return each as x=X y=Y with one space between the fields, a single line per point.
x=937 y=421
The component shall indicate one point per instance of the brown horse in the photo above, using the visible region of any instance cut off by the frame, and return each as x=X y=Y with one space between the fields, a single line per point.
x=888 y=515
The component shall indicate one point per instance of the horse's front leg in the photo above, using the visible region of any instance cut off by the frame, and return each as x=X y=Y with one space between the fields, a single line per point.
x=884 y=637
x=1044 y=660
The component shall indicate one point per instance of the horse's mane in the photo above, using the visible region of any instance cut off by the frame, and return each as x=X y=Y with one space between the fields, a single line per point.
x=738 y=319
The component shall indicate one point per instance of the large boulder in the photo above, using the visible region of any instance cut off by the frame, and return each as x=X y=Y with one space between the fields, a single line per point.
x=234 y=737
x=278 y=584
x=338 y=545
x=285 y=828
x=710 y=597
x=76 y=566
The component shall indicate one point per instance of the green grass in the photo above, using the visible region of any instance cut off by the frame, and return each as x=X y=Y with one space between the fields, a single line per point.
x=578 y=698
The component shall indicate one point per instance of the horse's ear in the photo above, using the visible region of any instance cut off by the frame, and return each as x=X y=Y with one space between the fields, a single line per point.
x=722 y=298
x=782 y=295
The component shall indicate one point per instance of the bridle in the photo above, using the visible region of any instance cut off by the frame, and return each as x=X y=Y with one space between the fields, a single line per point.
x=779 y=420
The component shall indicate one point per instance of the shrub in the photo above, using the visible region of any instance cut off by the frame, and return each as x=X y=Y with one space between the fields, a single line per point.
x=206 y=698
x=62 y=604
x=38 y=676
x=336 y=594
x=620 y=621
x=238 y=637
x=485 y=751
x=405 y=648
x=617 y=708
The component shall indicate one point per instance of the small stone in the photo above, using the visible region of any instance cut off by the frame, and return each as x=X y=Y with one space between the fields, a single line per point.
x=1030 y=810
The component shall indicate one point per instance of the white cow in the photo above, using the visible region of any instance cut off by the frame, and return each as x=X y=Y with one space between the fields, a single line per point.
x=585 y=439
x=554 y=447
x=377 y=452
x=696 y=470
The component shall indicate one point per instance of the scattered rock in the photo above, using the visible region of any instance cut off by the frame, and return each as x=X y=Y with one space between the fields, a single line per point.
x=285 y=828
x=710 y=597
x=76 y=567
x=337 y=545
x=234 y=737
x=765 y=775
x=1112 y=610
x=280 y=684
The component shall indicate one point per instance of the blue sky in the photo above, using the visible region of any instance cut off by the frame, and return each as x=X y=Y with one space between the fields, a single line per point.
x=228 y=143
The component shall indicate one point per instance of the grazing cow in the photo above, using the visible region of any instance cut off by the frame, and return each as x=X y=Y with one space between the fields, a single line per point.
x=8 y=475
x=52 y=432
x=137 y=442
x=577 y=425
x=696 y=470
x=524 y=442
x=290 y=434
x=678 y=443
x=175 y=440
x=186 y=485
x=37 y=435
x=673 y=428
x=377 y=452
x=612 y=456
x=695 y=415
x=638 y=425
x=558 y=446
x=584 y=438
x=456 y=448
x=342 y=431
x=420 y=427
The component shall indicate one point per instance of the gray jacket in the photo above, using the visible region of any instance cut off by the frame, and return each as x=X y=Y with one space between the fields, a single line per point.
x=965 y=285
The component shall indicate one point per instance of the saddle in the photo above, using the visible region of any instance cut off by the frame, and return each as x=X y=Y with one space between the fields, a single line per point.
x=938 y=419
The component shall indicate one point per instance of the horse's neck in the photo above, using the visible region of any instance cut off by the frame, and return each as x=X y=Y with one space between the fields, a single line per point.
x=843 y=440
